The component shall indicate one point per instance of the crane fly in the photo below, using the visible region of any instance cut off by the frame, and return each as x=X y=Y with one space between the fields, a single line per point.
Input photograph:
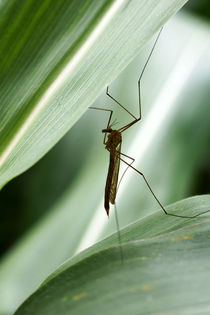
x=113 y=141
x=113 y=145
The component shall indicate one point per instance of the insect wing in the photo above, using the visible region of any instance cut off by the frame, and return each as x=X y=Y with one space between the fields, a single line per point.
x=113 y=189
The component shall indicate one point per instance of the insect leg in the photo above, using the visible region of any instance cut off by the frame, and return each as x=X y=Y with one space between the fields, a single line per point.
x=109 y=120
x=158 y=201
x=143 y=70
x=129 y=157
x=114 y=99
x=139 y=87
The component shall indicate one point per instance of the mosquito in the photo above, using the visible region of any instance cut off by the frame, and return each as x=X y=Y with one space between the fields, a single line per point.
x=113 y=140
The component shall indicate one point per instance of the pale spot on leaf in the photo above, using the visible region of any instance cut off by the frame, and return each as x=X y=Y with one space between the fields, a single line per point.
x=79 y=296
x=147 y=287
x=180 y=238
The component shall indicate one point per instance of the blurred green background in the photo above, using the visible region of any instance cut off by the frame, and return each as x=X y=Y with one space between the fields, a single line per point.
x=176 y=161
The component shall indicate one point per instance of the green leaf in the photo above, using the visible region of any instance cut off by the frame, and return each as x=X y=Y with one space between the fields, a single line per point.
x=165 y=269
x=55 y=58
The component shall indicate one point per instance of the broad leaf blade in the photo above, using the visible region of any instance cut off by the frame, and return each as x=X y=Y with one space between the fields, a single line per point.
x=55 y=60
x=161 y=273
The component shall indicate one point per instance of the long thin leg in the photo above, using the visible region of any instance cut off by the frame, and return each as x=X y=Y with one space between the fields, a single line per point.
x=114 y=99
x=123 y=174
x=109 y=120
x=158 y=201
x=118 y=233
x=143 y=70
x=132 y=122
x=139 y=90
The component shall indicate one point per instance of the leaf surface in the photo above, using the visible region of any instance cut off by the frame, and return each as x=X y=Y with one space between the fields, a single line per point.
x=165 y=269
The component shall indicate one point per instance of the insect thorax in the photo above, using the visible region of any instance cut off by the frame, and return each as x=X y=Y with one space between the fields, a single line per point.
x=114 y=139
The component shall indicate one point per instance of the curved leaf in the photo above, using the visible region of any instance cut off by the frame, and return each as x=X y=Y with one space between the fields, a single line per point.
x=55 y=58
x=165 y=262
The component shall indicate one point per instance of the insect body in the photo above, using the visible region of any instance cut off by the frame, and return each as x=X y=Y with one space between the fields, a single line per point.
x=113 y=145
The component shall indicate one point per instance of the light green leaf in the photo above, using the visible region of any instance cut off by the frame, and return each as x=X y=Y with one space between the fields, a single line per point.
x=55 y=58
x=165 y=270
